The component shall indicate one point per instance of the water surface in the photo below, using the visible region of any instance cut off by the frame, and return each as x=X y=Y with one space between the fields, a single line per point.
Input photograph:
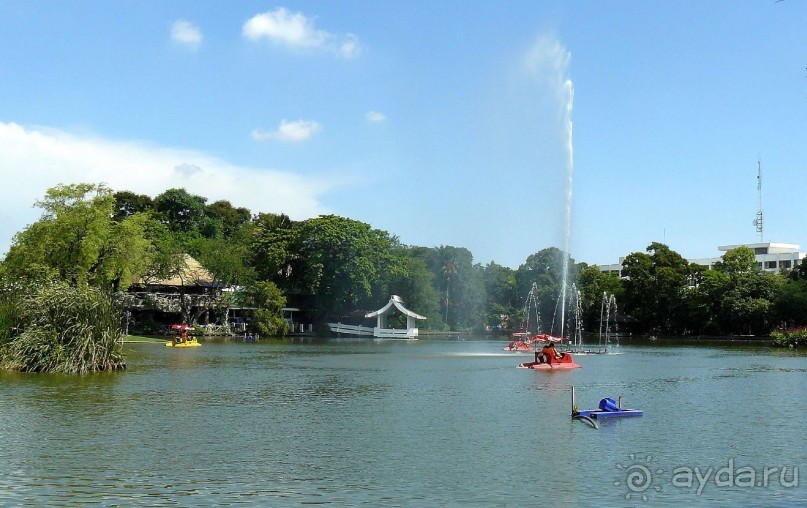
x=434 y=422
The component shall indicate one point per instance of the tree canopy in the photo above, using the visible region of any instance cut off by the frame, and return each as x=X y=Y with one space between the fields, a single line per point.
x=338 y=267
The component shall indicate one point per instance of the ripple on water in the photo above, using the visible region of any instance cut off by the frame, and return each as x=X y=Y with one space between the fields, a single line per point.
x=417 y=424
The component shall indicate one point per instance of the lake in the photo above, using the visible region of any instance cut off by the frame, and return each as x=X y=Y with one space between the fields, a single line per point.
x=440 y=421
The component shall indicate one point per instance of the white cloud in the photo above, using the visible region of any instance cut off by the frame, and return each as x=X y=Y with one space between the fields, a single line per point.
x=48 y=157
x=299 y=130
x=349 y=47
x=186 y=34
x=295 y=30
x=375 y=116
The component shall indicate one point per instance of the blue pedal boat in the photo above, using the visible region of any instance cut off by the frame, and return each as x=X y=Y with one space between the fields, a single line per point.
x=608 y=408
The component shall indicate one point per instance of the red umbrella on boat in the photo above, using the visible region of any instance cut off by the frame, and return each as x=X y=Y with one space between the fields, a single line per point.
x=546 y=338
x=181 y=328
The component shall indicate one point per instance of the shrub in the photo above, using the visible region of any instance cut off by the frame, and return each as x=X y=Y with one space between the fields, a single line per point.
x=64 y=328
x=792 y=337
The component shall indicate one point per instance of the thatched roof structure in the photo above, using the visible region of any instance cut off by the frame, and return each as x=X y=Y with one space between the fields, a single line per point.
x=192 y=273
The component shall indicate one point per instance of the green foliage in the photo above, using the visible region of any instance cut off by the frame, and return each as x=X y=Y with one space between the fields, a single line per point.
x=339 y=261
x=739 y=260
x=460 y=284
x=272 y=249
x=76 y=240
x=267 y=318
x=410 y=278
x=501 y=302
x=790 y=304
x=747 y=305
x=181 y=212
x=62 y=328
x=703 y=303
x=230 y=218
x=545 y=269
x=168 y=253
x=334 y=266
x=226 y=260
x=656 y=287
x=593 y=284
x=789 y=338
x=12 y=309
x=128 y=203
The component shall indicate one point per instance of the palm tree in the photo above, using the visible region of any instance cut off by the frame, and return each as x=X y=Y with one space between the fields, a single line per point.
x=449 y=268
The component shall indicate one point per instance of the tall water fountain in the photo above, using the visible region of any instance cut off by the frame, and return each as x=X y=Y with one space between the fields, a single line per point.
x=548 y=62
x=568 y=88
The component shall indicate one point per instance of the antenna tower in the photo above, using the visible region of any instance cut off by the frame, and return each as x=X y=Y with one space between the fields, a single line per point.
x=758 y=220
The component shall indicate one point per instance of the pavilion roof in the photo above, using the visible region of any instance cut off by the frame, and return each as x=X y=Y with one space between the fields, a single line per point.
x=395 y=301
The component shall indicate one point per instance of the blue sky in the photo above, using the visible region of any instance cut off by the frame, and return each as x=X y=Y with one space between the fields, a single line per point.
x=441 y=122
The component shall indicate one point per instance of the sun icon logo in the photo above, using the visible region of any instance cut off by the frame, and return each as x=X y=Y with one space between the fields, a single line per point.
x=638 y=477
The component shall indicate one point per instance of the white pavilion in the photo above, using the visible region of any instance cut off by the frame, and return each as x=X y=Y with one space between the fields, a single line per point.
x=381 y=330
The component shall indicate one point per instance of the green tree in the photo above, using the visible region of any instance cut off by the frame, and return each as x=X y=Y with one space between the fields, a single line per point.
x=449 y=271
x=182 y=212
x=268 y=302
x=341 y=260
x=736 y=261
x=272 y=245
x=545 y=269
x=790 y=304
x=78 y=241
x=230 y=217
x=226 y=260
x=128 y=203
x=656 y=287
x=703 y=303
x=747 y=307
x=501 y=302
x=593 y=284
x=461 y=283
x=410 y=278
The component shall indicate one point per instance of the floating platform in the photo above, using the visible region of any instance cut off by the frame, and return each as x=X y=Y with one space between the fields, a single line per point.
x=599 y=414
x=608 y=408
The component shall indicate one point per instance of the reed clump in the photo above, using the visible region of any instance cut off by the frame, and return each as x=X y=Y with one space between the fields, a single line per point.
x=55 y=327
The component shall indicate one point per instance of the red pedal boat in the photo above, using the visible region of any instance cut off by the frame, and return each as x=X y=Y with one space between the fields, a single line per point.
x=526 y=342
x=564 y=362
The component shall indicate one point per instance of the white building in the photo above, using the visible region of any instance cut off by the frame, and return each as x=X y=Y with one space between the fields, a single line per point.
x=771 y=257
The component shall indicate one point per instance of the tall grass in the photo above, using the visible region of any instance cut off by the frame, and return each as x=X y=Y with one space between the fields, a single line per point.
x=11 y=314
x=63 y=328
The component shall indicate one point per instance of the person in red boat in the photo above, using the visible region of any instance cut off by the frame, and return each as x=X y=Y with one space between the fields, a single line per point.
x=552 y=354
x=548 y=354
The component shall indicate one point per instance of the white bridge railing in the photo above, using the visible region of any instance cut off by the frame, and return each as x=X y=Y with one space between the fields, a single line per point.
x=381 y=333
x=350 y=329
x=395 y=333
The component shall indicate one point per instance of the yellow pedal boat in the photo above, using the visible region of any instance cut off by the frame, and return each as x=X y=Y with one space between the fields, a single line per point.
x=187 y=343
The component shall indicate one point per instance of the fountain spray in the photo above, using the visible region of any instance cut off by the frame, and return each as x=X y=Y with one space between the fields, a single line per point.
x=567 y=222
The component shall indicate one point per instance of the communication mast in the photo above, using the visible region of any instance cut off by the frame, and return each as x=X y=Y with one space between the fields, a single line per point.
x=758 y=220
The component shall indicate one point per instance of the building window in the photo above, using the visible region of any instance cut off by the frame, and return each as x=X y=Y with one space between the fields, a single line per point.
x=785 y=264
x=760 y=250
x=759 y=265
x=770 y=264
